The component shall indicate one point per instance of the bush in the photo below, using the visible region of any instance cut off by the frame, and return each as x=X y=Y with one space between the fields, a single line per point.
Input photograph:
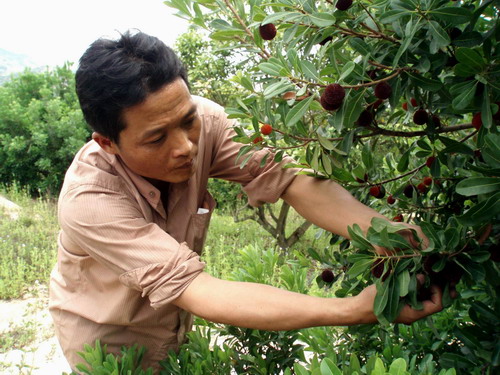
x=41 y=129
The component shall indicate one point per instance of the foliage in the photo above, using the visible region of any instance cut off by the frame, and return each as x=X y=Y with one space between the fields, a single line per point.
x=28 y=245
x=419 y=122
x=41 y=129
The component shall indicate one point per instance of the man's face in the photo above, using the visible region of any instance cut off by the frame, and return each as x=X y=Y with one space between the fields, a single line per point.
x=160 y=140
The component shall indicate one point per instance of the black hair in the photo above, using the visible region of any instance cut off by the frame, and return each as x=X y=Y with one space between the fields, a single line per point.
x=117 y=74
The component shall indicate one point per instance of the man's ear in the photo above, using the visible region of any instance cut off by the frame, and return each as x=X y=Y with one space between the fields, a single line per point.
x=106 y=144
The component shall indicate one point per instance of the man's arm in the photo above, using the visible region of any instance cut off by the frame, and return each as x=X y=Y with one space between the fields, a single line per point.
x=331 y=207
x=265 y=307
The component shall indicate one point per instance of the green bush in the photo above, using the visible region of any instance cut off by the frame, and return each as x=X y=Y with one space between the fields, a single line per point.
x=41 y=129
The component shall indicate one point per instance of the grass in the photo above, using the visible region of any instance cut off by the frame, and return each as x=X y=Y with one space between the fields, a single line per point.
x=28 y=245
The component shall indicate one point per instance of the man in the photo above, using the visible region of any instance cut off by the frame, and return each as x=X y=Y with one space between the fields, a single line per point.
x=134 y=211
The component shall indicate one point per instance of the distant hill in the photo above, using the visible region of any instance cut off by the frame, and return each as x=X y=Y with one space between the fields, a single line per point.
x=11 y=62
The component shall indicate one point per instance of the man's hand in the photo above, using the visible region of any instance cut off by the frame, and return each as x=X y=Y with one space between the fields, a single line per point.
x=408 y=314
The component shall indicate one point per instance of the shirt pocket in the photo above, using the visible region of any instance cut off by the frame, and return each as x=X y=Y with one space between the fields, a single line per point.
x=198 y=225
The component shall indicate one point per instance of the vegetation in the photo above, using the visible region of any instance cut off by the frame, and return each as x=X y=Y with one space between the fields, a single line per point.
x=399 y=102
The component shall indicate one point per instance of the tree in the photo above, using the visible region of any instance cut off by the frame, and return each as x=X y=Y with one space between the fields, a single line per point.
x=399 y=102
x=41 y=129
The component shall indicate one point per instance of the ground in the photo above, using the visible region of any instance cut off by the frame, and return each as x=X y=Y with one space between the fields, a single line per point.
x=27 y=340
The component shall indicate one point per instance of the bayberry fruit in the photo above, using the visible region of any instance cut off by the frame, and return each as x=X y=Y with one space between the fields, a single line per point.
x=422 y=188
x=327 y=276
x=267 y=31
x=257 y=139
x=420 y=117
x=377 y=270
x=476 y=121
x=383 y=90
x=377 y=191
x=427 y=181
x=408 y=190
x=266 y=129
x=405 y=106
x=343 y=4
x=391 y=199
x=328 y=106
x=413 y=102
x=399 y=218
x=365 y=118
x=334 y=94
x=430 y=160
x=436 y=121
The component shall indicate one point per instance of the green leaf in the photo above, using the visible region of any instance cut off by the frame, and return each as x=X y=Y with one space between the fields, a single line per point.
x=329 y=368
x=360 y=46
x=298 y=111
x=393 y=15
x=271 y=69
x=409 y=34
x=348 y=68
x=455 y=146
x=491 y=150
x=352 y=108
x=453 y=15
x=482 y=212
x=463 y=99
x=478 y=185
x=471 y=58
x=309 y=70
x=468 y=39
x=425 y=83
x=325 y=142
x=277 y=88
x=322 y=19
x=359 y=267
x=382 y=297
x=486 y=114
x=439 y=36
x=398 y=367
x=404 y=282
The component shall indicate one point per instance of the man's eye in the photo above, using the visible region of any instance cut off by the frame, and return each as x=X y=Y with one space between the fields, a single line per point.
x=157 y=140
x=188 y=124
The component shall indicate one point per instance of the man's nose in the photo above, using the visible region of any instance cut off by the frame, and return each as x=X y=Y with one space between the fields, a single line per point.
x=183 y=145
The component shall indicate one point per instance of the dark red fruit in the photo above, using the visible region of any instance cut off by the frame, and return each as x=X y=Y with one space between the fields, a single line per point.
x=267 y=31
x=399 y=218
x=365 y=118
x=327 y=276
x=328 y=106
x=413 y=102
x=452 y=272
x=334 y=94
x=364 y=179
x=326 y=40
x=266 y=129
x=494 y=253
x=258 y=139
x=436 y=121
x=422 y=188
x=420 y=117
x=424 y=294
x=427 y=181
x=377 y=270
x=405 y=106
x=430 y=160
x=372 y=74
x=476 y=121
x=377 y=191
x=343 y=4
x=383 y=90
x=391 y=199
x=408 y=191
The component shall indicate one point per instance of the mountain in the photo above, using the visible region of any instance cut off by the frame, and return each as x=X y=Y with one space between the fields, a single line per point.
x=11 y=62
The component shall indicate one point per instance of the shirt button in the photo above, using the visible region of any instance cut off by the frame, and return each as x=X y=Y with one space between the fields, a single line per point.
x=152 y=194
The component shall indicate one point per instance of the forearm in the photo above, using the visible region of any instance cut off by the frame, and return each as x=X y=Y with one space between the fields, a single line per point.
x=264 y=307
x=328 y=205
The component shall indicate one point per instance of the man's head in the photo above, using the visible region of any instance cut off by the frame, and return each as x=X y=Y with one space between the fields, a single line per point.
x=114 y=75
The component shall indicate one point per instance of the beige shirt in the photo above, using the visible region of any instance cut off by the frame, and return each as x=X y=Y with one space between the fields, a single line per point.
x=123 y=257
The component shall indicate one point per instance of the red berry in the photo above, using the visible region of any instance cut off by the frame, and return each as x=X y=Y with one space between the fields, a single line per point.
x=266 y=129
x=427 y=181
x=408 y=191
x=476 y=121
x=343 y=4
x=413 y=102
x=328 y=106
x=334 y=94
x=365 y=118
x=420 y=117
x=391 y=199
x=430 y=160
x=405 y=106
x=374 y=191
x=436 y=121
x=267 y=31
x=378 y=269
x=258 y=139
x=383 y=90
x=327 y=276
x=399 y=218
x=422 y=188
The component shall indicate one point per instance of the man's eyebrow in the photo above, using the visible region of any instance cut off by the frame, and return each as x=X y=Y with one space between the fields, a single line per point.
x=187 y=117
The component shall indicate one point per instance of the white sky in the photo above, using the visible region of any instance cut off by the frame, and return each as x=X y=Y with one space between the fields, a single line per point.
x=52 y=32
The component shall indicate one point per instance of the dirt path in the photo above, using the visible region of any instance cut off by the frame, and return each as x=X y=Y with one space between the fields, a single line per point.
x=27 y=341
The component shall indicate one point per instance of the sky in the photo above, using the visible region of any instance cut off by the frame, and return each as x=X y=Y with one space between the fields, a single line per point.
x=51 y=32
